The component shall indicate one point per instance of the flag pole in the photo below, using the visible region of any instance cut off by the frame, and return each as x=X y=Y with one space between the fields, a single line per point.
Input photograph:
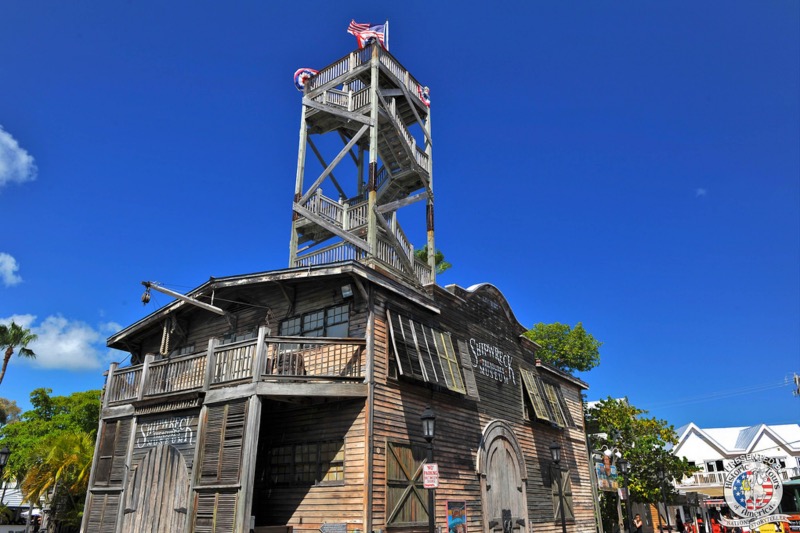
x=386 y=36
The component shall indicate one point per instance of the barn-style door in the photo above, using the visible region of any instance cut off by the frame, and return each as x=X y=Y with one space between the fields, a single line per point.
x=503 y=480
x=158 y=493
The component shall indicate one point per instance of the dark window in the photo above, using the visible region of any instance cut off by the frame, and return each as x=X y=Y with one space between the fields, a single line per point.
x=329 y=322
x=307 y=463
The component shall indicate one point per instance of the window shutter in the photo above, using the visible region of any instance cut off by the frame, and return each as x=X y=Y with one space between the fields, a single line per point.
x=216 y=513
x=427 y=351
x=561 y=476
x=469 y=374
x=531 y=383
x=102 y=511
x=405 y=349
x=120 y=452
x=566 y=483
x=406 y=499
x=222 y=444
x=551 y=391
x=426 y=354
x=112 y=453
x=449 y=361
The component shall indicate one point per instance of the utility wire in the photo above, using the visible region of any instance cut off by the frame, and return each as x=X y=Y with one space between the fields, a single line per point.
x=714 y=396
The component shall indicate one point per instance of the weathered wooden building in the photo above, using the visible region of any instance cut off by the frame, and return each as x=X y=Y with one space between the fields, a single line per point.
x=291 y=399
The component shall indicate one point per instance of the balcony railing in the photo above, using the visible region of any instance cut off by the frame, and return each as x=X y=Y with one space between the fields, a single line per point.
x=718 y=478
x=221 y=365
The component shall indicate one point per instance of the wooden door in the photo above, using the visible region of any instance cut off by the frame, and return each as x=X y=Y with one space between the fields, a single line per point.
x=504 y=481
x=158 y=493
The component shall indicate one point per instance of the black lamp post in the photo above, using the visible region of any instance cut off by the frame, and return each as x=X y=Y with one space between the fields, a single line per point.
x=5 y=453
x=624 y=467
x=662 y=476
x=428 y=418
x=555 y=454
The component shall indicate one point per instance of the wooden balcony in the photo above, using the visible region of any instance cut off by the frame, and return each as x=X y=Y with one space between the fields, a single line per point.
x=262 y=359
x=700 y=480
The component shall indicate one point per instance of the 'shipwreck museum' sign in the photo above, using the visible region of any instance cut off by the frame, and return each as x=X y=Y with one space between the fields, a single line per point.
x=492 y=362
x=753 y=491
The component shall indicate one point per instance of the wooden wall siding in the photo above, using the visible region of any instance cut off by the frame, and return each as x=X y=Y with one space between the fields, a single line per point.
x=308 y=506
x=398 y=403
x=196 y=326
x=102 y=510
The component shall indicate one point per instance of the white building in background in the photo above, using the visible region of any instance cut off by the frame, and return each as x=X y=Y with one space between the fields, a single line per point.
x=714 y=449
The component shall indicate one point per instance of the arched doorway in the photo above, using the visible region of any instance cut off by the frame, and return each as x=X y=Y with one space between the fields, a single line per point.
x=158 y=492
x=504 y=480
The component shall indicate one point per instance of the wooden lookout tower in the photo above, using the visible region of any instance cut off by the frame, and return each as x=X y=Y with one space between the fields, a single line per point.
x=374 y=108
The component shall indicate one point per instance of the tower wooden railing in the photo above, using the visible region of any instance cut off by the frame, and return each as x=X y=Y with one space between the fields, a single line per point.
x=338 y=71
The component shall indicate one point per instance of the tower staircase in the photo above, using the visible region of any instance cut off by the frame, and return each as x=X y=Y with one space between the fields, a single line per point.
x=373 y=106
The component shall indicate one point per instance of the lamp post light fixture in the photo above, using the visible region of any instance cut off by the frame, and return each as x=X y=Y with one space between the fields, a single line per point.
x=428 y=418
x=5 y=453
x=624 y=467
x=662 y=477
x=555 y=454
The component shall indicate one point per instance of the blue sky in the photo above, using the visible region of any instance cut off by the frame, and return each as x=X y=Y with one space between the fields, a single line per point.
x=634 y=166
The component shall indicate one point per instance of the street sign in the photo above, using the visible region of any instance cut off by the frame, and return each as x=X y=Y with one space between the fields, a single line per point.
x=430 y=476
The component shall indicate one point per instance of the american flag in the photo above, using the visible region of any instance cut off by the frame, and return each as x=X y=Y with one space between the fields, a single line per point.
x=745 y=494
x=364 y=33
x=753 y=504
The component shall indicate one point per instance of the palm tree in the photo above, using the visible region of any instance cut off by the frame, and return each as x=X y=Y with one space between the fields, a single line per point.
x=11 y=338
x=60 y=473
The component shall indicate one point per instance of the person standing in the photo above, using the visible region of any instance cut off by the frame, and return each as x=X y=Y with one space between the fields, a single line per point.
x=679 y=521
x=637 y=523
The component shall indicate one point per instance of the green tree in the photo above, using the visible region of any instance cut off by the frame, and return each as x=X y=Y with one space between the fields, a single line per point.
x=50 y=446
x=9 y=411
x=565 y=347
x=646 y=443
x=441 y=264
x=11 y=338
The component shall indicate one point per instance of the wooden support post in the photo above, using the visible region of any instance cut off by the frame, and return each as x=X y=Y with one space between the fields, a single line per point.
x=244 y=503
x=298 y=186
x=372 y=224
x=148 y=360
x=211 y=363
x=429 y=209
x=109 y=383
x=260 y=359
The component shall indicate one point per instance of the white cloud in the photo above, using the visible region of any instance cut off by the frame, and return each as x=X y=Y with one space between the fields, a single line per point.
x=65 y=344
x=16 y=164
x=8 y=270
x=700 y=192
